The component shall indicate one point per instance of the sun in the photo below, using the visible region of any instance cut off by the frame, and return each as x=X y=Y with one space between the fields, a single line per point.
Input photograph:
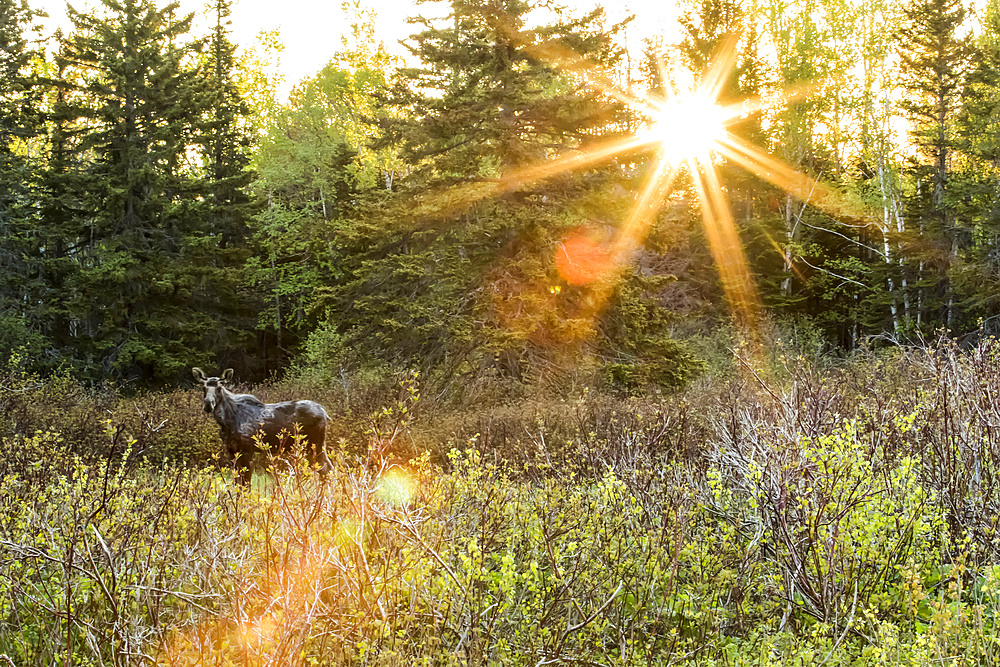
x=687 y=127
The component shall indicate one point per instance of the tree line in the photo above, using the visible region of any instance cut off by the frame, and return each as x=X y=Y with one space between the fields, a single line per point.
x=160 y=209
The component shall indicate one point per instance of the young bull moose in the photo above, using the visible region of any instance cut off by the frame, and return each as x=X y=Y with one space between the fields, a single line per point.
x=247 y=422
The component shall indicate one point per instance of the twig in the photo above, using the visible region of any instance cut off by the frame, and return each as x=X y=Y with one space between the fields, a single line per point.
x=846 y=628
x=597 y=612
x=187 y=598
x=96 y=574
x=828 y=271
x=416 y=535
x=579 y=626
x=757 y=377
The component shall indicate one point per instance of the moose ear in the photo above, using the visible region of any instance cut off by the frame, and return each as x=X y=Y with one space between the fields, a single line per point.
x=227 y=375
x=198 y=374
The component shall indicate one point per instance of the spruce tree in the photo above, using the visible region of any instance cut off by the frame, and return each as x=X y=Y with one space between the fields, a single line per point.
x=18 y=87
x=978 y=134
x=227 y=142
x=144 y=297
x=493 y=94
x=934 y=58
x=488 y=97
x=20 y=126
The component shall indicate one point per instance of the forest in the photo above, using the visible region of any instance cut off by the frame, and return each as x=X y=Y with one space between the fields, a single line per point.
x=678 y=350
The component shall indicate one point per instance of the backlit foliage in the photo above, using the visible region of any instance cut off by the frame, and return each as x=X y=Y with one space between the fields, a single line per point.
x=809 y=515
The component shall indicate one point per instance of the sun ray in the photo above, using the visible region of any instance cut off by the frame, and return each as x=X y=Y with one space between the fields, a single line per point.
x=632 y=233
x=720 y=68
x=724 y=243
x=799 y=185
x=451 y=199
x=654 y=192
x=539 y=172
x=754 y=105
x=569 y=61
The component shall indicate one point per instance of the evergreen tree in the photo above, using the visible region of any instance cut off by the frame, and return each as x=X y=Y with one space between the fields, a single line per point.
x=226 y=140
x=18 y=89
x=979 y=139
x=934 y=58
x=145 y=294
x=20 y=125
x=56 y=244
x=486 y=99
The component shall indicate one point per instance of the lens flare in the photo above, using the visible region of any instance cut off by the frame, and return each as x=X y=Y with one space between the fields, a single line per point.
x=581 y=260
x=397 y=487
x=348 y=531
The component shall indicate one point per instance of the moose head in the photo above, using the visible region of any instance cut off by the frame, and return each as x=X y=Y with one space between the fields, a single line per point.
x=211 y=386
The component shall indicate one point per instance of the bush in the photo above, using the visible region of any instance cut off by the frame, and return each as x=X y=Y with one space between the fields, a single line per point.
x=785 y=514
x=163 y=425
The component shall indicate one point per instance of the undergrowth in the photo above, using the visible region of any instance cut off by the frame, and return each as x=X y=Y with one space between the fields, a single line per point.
x=785 y=514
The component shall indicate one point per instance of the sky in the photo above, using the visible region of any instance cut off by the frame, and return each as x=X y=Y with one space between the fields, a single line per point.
x=311 y=31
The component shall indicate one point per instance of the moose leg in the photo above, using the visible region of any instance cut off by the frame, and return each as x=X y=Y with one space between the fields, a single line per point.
x=317 y=451
x=242 y=459
x=243 y=468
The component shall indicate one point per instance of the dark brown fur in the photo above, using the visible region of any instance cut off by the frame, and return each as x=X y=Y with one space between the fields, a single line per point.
x=245 y=421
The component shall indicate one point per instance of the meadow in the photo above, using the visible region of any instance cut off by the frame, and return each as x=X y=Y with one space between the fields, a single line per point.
x=789 y=510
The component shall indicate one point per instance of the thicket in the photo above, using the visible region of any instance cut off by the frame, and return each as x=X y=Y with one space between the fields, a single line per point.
x=788 y=511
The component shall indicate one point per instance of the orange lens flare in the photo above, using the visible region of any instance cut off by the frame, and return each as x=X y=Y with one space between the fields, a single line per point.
x=581 y=260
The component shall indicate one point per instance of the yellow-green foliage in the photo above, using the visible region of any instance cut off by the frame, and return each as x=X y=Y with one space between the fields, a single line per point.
x=405 y=564
x=801 y=533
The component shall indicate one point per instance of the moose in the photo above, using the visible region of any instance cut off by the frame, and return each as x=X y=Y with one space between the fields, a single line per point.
x=248 y=424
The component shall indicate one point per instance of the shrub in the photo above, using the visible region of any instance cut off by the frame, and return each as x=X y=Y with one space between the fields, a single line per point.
x=164 y=425
x=785 y=514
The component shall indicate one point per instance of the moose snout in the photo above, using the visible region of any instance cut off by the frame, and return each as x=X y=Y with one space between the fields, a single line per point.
x=208 y=406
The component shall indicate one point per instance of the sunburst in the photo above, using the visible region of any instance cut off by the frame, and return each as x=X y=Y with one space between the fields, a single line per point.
x=687 y=130
x=701 y=120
